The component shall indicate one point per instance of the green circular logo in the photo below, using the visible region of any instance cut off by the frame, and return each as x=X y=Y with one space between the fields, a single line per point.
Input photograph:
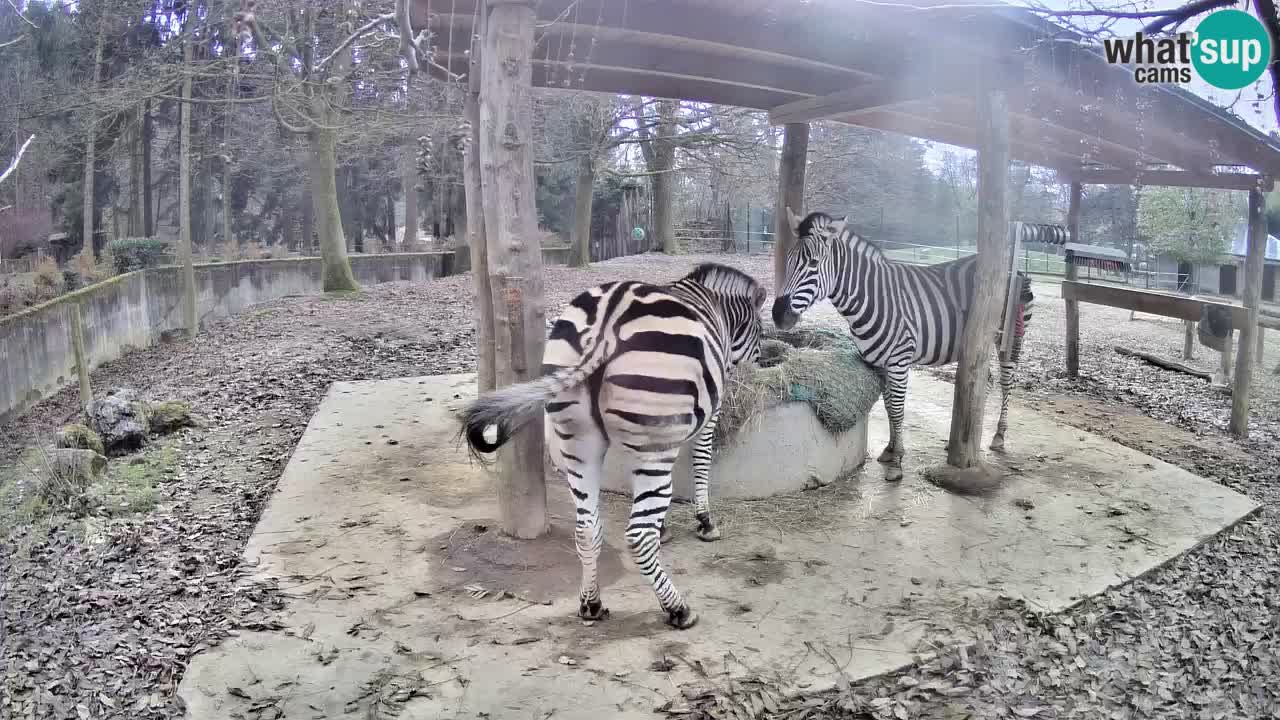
x=1232 y=49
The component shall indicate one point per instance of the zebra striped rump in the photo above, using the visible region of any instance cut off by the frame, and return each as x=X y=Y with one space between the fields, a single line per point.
x=641 y=368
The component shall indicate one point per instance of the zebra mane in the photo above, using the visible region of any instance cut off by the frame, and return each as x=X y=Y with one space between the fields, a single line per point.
x=816 y=222
x=724 y=280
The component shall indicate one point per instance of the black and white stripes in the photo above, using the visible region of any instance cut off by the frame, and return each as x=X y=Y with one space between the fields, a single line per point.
x=900 y=314
x=641 y=368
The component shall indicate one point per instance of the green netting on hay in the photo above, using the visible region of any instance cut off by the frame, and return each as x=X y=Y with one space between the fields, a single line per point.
x=820 y=367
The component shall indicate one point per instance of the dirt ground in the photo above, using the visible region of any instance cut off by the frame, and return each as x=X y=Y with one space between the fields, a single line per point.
x=105 y=620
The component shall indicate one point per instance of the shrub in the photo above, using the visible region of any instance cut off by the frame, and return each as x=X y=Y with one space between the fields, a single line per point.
x=129 y=254
x=48 y=275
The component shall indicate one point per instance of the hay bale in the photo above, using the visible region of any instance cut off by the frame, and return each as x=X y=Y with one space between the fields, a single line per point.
x=820 y=367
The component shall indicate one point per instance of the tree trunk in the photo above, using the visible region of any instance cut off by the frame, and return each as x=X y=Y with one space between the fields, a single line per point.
x=189 y=318
x=227 y=121
x=149 y=220
x=135 y=221
x=91 y=143
x=306 y=206
x=336 y=272
x=1073 y=307
x=963 y=450
x=476 y=239
x=515 y=258
x=791 y=167
x=664 y=153
x=580 y=237
x=1251 y=298
x=409 y=178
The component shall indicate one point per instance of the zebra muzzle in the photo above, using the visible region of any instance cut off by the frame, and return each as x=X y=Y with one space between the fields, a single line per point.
x=783 y=316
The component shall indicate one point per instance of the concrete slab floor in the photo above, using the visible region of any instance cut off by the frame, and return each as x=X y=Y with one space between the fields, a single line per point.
x=383 y=534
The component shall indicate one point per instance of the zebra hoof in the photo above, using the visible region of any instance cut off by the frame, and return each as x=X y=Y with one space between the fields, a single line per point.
x=893 y=473
x=708 y=533
x=682 y=619
x=593 y=610
x=997 y=443
x=665 y=536
x=887 y=455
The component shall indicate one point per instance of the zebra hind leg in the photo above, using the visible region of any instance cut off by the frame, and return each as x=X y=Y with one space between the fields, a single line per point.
x=707 y=529
x=651 y=478
x=581 y=448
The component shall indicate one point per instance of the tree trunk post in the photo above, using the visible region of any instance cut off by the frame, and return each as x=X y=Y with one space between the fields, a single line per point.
x=1073 y=307
x=1257 y=357
x=190 y=321
x=1188 y=339
x=964 y=450
x=1250 y=334
x=148 y=218
x=91 y=145
x=229 y=117
x=336 y=275
x=477 y=242
x=580 y=241
x=791 y=167
x=409 y=178
x=515 y=256
x=82 y=360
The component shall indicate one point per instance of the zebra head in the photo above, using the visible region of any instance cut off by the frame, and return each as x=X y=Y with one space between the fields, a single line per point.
x=809 y=271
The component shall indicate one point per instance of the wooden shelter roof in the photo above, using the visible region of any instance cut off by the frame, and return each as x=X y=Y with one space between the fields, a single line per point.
x=910 y=69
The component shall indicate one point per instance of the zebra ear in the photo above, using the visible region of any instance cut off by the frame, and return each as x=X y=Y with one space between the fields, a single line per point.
x=794 y=220
x=758 y=296
x=838 y=226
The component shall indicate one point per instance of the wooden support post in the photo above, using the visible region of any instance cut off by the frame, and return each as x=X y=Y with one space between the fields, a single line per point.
x=1073 y=307
x=82 y=360
x=476 y=241
x=964 y=450
x=791 y=166
x=514 y=253
x=1252 y=298
x=1188 y=339
x=1257 y=357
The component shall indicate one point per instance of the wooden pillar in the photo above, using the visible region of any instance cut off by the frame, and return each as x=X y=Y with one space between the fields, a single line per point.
x=476 y=241
x=1252 y=298
x=513 y=250
x=1073 y=307
x=1262 y=335
x=1224 y=359
x=190 y=319
x=964 y=449
x=1188 y=339
x=791 y=166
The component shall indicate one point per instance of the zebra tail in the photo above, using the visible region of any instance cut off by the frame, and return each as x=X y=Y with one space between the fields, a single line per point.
x=512 y=407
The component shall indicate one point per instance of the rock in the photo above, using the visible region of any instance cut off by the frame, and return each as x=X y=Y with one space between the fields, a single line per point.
x=169 y=416
x=120 y=419
x=79 y=436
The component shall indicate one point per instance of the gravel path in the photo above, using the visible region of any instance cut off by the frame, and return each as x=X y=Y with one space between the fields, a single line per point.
x=104 y=621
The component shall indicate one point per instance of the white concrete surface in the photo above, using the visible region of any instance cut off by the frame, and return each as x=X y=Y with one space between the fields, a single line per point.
x=384 y=549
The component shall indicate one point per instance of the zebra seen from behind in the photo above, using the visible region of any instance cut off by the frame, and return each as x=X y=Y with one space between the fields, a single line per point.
x=641 y=368
x=900 y=314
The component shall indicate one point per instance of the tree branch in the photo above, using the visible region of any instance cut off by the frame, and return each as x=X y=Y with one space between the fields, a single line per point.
x=360 y=32
x=17 y=159
x=408 y=49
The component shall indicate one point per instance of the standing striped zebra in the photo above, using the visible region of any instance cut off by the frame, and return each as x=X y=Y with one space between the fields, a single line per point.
x=900 y=314
x=643 y=366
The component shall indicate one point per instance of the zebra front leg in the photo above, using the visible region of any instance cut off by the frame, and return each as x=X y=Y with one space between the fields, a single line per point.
x=895 y=393
x=652 y=498
x=707 y=530
x=1007 y=368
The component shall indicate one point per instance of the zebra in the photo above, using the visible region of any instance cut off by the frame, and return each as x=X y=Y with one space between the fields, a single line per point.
x=643 y=366
x=900 y=314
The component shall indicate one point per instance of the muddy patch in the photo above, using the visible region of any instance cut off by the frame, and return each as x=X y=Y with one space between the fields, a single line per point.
x=759 y=566
x=477 y=555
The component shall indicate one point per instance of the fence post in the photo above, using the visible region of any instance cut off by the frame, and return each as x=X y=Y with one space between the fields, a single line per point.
x=748 y=228
x=82 y=362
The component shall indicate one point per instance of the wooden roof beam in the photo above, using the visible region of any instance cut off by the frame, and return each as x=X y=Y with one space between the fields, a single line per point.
x=1175 y=178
